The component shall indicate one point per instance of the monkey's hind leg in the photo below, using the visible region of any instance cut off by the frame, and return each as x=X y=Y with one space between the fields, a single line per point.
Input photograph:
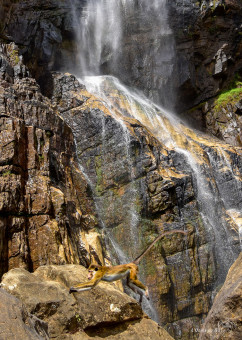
x=137 y=286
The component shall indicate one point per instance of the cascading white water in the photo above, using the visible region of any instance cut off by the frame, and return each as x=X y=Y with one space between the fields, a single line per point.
x=135 y=105
x=101 y=32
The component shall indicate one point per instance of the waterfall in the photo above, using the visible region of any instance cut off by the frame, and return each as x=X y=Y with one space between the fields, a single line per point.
x=99 y=34
x=103 y=33
x=215 y=201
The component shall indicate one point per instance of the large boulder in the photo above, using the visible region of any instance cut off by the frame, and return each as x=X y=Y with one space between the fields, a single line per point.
x=103 y=310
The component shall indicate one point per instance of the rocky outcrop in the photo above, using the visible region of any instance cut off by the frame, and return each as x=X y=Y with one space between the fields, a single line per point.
x=221 y=116
x=17 y=322
x=224 y=319
x=103 y=312
x=45 y=204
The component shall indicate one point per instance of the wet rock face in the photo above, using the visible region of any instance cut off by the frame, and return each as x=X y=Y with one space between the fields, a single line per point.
x=103 y=310
x=224 y=318
x=142 y=188
x=40 y=214
x=17 y=322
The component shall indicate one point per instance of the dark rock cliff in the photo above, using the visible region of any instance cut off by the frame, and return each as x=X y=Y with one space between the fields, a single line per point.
x=209 y=50
x=209 y=47
x=42 y=216
x=44 y=33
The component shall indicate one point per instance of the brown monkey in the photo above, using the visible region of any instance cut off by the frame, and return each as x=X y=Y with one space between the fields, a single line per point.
x=96 y=273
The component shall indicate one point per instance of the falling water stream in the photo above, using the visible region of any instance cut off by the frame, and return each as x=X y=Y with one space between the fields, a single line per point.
x=100 y=32
x=214 y=200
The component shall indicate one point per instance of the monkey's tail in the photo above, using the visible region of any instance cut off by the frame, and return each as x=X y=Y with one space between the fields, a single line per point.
x=139 y=258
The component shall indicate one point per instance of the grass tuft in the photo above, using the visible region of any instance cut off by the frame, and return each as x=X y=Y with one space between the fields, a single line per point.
x=229 y=97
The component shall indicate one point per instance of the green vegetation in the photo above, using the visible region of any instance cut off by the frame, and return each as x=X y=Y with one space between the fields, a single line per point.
x=88 y=163
x=14 y=57
x=41 y=158
x=228 y=97
x=213 y=29
x=231 y=95
x=217 y=4
x=236 y=82
x=6 y=173
x=147 y=228
x=49 y=133
x=78 y=318
x=197 y=107
x=151 y=269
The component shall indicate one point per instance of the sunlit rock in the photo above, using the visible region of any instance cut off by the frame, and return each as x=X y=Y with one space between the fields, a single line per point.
x=40 y=181
x=103 y=310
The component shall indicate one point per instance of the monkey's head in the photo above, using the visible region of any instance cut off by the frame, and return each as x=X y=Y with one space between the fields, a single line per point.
x=92 y=269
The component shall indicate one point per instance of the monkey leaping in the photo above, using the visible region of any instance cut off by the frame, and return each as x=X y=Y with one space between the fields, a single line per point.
x=97 y=273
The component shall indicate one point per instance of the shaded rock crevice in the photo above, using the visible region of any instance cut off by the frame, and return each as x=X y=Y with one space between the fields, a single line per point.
x=208 y=48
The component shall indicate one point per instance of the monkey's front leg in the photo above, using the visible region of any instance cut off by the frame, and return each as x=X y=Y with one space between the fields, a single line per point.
x=81 y=287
